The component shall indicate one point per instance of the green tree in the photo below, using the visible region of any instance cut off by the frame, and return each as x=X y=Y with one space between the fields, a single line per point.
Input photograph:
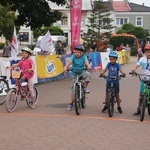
x=54 y=30
x=34 y=13
x=7 y=19
x=99 y=20
x=139 y=32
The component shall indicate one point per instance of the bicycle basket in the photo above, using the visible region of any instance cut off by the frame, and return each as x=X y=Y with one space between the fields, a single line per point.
x=15 y=74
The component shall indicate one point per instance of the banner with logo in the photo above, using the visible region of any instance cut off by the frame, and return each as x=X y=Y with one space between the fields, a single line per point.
x=76 y=14
x=46 y=44
x=49 y=67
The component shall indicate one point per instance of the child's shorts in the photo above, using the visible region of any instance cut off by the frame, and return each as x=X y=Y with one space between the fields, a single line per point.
x=116 y=87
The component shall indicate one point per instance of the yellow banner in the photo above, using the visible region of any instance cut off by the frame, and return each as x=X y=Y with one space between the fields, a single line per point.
x=49 y=66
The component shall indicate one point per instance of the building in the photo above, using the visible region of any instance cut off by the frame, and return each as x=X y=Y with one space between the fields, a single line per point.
x=121 y=12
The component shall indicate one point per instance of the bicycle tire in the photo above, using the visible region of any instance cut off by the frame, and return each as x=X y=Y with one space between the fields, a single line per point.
x=142 y=108
x=77 y=101
x=28 y=98
x=110 y=105
x=83 y=100
x=11 y=100
x=4 y=88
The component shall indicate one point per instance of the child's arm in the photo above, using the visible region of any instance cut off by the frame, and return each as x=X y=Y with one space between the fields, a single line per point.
x=67 y=65
x=102 y=73
x=121 y=71
x=32 y=68
x=87 y=65
x=13 y=66
x=137 y=66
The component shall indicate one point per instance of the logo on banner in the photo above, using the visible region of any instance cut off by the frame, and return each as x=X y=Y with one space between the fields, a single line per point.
x=75 y=23
x=50 y=67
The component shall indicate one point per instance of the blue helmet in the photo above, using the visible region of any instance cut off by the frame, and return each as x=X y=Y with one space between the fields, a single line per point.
x=79 y=47
x=113 y=54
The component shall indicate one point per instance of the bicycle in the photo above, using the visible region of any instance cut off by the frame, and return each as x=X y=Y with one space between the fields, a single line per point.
x=111 y=93
x=22 y=91
x=79 y=92
x=4 y=88
x=145 y=95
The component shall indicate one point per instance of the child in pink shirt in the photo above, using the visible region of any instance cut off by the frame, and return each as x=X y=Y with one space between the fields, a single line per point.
x=27 y=67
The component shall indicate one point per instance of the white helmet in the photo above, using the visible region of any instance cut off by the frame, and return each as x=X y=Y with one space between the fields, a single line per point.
x=27 y=49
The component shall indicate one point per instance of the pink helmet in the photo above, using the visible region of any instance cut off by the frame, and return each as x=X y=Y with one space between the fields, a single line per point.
x=147 y=47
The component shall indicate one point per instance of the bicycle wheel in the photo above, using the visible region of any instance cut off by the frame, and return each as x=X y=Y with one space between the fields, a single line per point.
x=11 y=100
x=77 y=100
x=142 y=108
x=83 y=100
x=28 y=98
x=110 y=105
x=4 y=88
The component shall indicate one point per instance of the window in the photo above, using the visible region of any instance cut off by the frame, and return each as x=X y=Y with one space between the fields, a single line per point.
x=64 y=21
x=121 y=21
x=139 y=21
x=24 y=36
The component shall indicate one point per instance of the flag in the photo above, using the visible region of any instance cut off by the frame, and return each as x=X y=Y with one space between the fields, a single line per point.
x=14 y=45
x=76 y=14
x=46 y=44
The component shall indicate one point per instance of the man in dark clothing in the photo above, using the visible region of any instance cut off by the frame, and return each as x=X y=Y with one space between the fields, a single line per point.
x=7 y=49
x=59 y=48
x=94 y=47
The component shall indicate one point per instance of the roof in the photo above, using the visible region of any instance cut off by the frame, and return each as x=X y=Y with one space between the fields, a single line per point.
x=121 y=6
x=139 y=8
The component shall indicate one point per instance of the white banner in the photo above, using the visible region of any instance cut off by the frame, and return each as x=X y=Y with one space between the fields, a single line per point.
x=46 y=44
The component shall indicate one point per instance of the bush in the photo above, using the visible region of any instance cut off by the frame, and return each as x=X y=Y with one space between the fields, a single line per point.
x=2 y=45
x=134 y=51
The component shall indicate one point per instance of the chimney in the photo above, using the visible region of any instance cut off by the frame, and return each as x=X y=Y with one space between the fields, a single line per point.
x=143 y=4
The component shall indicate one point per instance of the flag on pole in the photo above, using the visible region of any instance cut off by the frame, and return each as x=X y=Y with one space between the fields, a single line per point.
x=14 y=45
x=46 y=44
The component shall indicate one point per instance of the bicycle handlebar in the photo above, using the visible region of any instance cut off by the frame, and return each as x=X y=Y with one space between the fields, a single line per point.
x=112 y=77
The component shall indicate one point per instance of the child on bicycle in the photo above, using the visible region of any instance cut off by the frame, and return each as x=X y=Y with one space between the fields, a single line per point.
x=144 y=62
x=79 y=61
x=113 y=69
x=27 y=67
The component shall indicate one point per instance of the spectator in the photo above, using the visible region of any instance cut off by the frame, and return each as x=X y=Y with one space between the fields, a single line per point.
x=109 y=48
x=128 y=53
x=7 y=49
x=59 y=48
x=121 y=47
x=94 y=47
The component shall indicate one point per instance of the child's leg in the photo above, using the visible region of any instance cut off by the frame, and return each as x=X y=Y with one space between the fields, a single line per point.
x=118 y=99
x=30 y=84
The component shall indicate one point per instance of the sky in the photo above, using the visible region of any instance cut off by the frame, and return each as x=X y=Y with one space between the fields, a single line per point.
x=146 y=2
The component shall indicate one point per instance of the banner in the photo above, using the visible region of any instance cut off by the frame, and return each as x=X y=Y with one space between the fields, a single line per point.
x=46 y=44
x=76 y=14
x=14 y=45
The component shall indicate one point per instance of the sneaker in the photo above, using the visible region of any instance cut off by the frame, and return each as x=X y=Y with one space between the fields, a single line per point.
x=70 y=106
x=120 y=110
x=86 y=90
x=138 y=112
x=33 y=106
x=105 y=108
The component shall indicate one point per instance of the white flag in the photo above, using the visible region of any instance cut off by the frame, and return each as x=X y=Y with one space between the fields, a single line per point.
x=46 y=44
x=14 y=45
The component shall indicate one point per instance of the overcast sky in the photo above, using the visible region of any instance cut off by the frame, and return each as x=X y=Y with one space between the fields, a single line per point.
x=146 y=2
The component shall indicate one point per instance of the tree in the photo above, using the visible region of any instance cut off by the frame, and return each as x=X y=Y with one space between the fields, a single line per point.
x=139 y=32
x=98 y=21
x=7 y=19
x=54 y=30
x=34 y=13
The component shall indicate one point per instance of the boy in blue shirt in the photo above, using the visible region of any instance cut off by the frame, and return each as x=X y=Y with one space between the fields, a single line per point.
x=79 y=61
x=113 y=70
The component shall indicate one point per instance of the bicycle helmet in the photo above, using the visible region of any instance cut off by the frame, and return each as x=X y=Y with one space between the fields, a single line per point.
x=113 y=54
x=79 y=47
x=28 y=50
x=147 y=47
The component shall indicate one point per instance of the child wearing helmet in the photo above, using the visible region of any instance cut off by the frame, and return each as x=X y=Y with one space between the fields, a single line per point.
x=27 y=67
x=113 y=69
x=144 y=62
x=79 y=61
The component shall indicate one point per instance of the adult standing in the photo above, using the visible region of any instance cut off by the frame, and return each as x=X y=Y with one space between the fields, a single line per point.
x=7 y=49
x=94 y=47
x=59 y=48
x=128 y=53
